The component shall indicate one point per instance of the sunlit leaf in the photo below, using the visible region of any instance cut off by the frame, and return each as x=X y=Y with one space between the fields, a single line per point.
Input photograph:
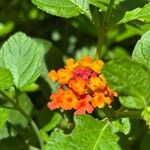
x=121 y=125
x=141 y=14
x=6 y=79
x=131 y=80
x=89 y=134
x=60 y=8
x=141 y=52
x=23 y=57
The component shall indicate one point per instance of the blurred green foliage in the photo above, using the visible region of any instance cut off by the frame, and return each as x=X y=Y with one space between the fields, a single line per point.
x=67 y=35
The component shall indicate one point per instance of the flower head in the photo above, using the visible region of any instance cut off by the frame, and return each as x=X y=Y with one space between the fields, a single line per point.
x=82 y=86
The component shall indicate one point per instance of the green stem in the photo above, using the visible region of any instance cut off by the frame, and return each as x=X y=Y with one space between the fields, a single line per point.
x=103 y=28
x=31 y=122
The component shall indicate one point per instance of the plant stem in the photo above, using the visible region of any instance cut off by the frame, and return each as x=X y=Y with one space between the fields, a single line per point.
x=103 y=28
x=31 y=122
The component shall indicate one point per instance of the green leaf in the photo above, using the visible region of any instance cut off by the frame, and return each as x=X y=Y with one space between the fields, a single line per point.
x=53 y=121
x=23 y=57
x=60 y=8
x=6 y=28
x=3 y=116
x=89 y=134
x=31 y=88
x=6 y=79
x=121 y=125
x=141 y=14
x=84 y=6
x=103 y=4
x=116 y=52
x=131 y=101
x=15 y=117
x=130 y=80
x=141 y=51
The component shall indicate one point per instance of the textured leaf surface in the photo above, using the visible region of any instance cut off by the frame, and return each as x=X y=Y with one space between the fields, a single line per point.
x=6 y=79
x=132 y=101
x=131 y=80
x=141 y=51
x=60 y=8
x=121 y=125
x=141 y=14
x=3 y=116
x=23 y=57
x=89 y=134
x=83 y=5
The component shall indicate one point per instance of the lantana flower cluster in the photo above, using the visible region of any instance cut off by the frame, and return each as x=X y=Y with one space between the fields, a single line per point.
x=82 y=87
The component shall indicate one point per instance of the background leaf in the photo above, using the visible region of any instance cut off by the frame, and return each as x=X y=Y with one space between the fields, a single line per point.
x=141 y=14
x=131 y=80
x=89 y=134
x=23 y=57
x=132 y=101
x=6 y=79
x=60 y=8
x=141 y=52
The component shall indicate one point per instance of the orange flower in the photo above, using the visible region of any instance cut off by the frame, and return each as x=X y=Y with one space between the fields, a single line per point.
x=86 y=61
x=98 y=100
x=81 y=86
x=64 y=75
x=56 y=100
x=84 y=106
x=111 y=93
x=97 y=65
x=64 y=99
x=78 y=85
x=69 y=100
x=70 y=64
x=96 y=83
x=53 y=75
x=108 y=100
x=102 y=78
